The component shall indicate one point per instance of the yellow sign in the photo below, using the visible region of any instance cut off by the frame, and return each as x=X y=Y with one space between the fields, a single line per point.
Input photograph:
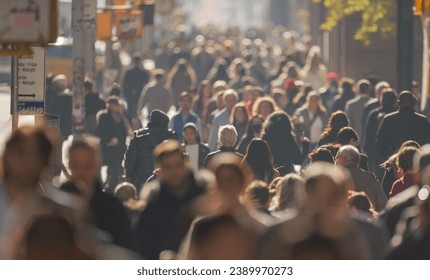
x=128 y=25
x=420 y=6
x=104 y=26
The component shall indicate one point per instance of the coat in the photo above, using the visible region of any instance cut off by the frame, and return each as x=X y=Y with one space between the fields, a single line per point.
x=400 y=126
x=210 y=156
x=367 y=183
x=354 y=109
x=109 y=214
x=138 y=161
x=165 y=220
x=108 y=128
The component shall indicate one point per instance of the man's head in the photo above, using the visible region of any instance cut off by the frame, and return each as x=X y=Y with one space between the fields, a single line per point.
x=259 y=193
x=405 y=158
x=158 y=119
x=364 y=86
x=88 y=86
x=421 y=165
x=348 y=155
x=186 y=101
x=171 y=162
x=230 y=99
x=60 y=82
x=389 y=99
x=407 y=100
x=218 y=86
x=227 y=136
x=327 y=187
x=26 y=154
x=84 y=163
x=347 y=136
x=137 y=58
x=159 y=75
x=380 y=87
x=114 y=105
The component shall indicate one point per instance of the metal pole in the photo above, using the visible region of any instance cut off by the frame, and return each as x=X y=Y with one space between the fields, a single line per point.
x=405 y=45
x=14 y=93
x=78 y=64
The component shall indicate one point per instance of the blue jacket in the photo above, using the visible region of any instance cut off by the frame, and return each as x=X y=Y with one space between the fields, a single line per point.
x=177 y=123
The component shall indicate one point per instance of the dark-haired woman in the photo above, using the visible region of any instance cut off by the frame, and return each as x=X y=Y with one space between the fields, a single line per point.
x=278 y=132
x=197 y=151
x=260 y=159
x=337 y=121
x=255 y=126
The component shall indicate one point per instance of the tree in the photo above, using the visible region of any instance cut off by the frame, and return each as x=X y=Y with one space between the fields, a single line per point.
x=376 y=16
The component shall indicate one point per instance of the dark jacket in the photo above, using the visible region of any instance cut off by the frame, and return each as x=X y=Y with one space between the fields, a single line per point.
x=166 y=218
x=135 y=79
x=398 y=127
x=221 y=150
x=178 y=123
x=138 y=162
x=109 y=214
x=63 y=107
x=108 y=128
x=287 y=154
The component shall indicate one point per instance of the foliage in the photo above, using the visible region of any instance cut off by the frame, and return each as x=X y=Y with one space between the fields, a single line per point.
x=376 y=16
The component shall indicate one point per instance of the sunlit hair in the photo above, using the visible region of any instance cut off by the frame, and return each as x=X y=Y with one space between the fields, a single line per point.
x=256 y=108
x=287 y=192
x=259 y=158
x=227 y=136
x=313 y=60
x=19 y=136
x=314 y=94
x=239 y=107
x=278 y=128
x=336 y=122
x=361 y=201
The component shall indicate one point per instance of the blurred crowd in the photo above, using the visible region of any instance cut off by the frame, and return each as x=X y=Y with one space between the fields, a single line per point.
x=235 y=146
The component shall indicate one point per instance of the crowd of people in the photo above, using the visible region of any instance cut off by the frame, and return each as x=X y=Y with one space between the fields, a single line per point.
x=267 y=155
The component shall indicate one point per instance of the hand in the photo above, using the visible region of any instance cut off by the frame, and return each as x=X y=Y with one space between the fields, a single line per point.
x=303 y=138
x=113 y=142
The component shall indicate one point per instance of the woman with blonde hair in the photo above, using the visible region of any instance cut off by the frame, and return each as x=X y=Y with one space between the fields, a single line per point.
x=314 y=70
x=264 y=106
x=286 y=194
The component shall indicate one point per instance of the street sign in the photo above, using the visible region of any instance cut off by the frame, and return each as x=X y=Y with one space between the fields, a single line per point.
x=30 y=86
x=24 y=21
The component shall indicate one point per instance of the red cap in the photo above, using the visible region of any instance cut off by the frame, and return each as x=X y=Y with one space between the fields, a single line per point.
x=332 y=75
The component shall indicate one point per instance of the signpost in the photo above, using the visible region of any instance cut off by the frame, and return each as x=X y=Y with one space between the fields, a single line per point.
x=29 y=88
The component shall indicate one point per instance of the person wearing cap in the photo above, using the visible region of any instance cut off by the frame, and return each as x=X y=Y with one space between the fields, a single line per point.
x=138 y=161
x=113 y=129
x=328 y=93
x=402 y=125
